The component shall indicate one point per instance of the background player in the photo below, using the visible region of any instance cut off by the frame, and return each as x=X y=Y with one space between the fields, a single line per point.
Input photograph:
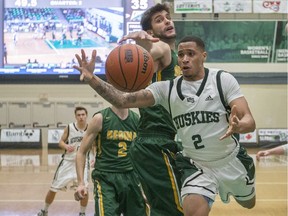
x=66 y=171
x=117 y=188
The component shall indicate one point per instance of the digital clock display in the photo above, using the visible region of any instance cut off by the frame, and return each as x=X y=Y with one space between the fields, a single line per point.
x=25 y=3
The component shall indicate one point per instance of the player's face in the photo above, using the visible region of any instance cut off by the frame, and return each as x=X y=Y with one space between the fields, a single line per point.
x=81 y=116
x=163 y=26
x=191 y=61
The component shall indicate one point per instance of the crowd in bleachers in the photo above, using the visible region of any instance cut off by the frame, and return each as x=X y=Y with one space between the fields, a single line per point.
x=40 y=19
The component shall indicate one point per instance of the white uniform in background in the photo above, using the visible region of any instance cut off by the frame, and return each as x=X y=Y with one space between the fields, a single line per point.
x=66 y=170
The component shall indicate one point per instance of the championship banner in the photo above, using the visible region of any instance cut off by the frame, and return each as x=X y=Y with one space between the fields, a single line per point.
x=236 y=6
x=249 y=137
x=270 y=6
x=20 y=160
x=54 y=135
x=272 y=136
x=192 y=6
x=20 y=135
x=239 y=41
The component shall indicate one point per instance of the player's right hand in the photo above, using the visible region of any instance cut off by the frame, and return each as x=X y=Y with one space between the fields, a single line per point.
x=86 y=68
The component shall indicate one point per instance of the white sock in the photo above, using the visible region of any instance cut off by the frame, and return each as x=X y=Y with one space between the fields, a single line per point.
x=82 y=209
x=46 y=207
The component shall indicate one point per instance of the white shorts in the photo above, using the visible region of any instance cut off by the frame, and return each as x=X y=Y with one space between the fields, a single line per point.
x=66 y=174
x=233 y=175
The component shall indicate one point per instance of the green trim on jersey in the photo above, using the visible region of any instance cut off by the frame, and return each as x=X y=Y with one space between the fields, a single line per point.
x=114 y=141
x=157 y=120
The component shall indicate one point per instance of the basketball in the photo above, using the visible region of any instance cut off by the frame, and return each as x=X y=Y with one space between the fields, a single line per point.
x=129 y=67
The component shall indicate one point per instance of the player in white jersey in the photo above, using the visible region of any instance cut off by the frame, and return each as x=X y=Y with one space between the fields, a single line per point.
x=66 y=170
x=212 y=161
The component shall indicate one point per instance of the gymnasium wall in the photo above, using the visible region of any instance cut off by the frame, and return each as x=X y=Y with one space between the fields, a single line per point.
x=268 y=103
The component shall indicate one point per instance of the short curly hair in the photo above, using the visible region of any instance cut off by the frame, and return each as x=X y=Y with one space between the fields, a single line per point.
x=146 y=18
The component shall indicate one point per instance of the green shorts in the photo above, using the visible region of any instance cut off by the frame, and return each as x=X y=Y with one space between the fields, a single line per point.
x=117 y=193
x=154 y=160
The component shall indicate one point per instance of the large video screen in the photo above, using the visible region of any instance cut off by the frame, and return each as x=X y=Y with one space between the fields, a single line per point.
x=41 y=37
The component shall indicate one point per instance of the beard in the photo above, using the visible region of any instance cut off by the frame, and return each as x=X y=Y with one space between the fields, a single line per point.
x=165 y=37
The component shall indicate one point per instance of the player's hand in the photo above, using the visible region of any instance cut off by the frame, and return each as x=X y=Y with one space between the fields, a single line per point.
x=80 y=193
x=261 y=154
x=70 y=148
x=233 y=123
x=86 y=68
x=139 y=35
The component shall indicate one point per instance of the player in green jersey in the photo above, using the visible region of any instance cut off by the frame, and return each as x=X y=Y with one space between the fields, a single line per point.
x=117 y=187
x=155 y=135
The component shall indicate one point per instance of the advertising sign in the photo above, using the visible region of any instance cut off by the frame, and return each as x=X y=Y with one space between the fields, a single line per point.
x=54 y=135
x=192 y=6
x=272 y=136
x=236 y=6
x=20 y=135
x=270 y=6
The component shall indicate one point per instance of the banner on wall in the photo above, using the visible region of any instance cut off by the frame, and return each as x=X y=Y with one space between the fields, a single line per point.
x=20 y=135
x=236 y=6
x=192 y=6
x=272 y=136
x=249 y=137
x=270 y=6
x=54 y=135
x=239 y=41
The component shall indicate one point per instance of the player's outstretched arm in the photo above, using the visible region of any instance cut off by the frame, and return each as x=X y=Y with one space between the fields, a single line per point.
x=279 y=150
x=142 y=98
x=139 y=36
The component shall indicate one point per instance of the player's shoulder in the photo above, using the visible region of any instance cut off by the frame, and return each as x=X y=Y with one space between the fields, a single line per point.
x=220 y=72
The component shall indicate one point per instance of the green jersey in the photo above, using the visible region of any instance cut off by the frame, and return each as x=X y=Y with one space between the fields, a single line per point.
x=114 y=141
x=156 y=119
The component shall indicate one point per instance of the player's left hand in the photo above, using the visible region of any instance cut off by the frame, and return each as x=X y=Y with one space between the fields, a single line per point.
x=80 y=193
x=233 y=123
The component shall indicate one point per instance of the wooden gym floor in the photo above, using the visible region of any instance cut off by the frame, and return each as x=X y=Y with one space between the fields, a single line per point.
x=25 y=177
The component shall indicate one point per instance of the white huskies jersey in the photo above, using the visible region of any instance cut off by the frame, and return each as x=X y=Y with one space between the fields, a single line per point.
x=75 y=137
x=199 y=114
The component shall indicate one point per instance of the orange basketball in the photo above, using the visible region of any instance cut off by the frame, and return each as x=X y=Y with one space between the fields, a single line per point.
x=129 y=67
